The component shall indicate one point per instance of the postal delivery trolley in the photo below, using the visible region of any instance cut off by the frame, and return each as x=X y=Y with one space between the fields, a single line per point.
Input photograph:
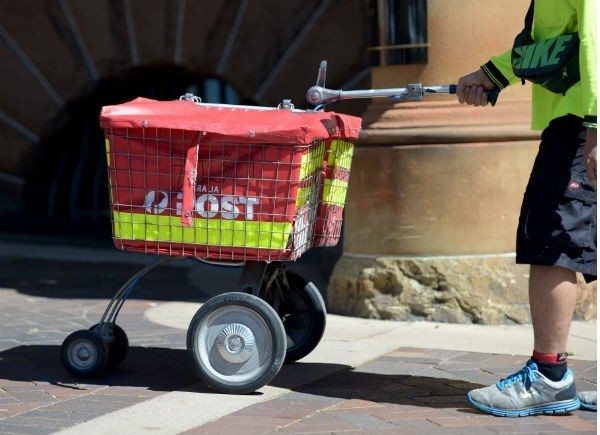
x=245 y=186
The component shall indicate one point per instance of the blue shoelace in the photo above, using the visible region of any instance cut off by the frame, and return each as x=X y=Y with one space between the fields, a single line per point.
x=526 y=375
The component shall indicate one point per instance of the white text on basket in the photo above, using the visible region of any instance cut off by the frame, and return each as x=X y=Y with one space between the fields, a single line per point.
x=206 y=205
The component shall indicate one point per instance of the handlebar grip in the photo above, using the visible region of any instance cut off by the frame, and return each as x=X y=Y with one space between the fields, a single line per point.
x=492 y=95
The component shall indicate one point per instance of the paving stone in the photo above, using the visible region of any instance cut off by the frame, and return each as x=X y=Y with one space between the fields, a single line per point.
x=367 y=421
x=245 y=426
x=575 y=424
x=321 y=423
x=12 y=429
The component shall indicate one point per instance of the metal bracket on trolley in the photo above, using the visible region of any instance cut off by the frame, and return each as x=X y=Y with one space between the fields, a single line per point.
x=252 y=277
x=319 y=94
x=189 y=96
x=285 y=104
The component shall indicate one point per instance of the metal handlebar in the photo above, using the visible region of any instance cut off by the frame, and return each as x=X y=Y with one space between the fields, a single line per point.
x=319 y=94
x=414 y=92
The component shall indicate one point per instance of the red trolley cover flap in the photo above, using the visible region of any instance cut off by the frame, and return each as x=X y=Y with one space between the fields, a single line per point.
x=232 y=123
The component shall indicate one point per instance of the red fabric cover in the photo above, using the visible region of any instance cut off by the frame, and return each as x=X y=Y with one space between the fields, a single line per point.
x=329 y=217
x=231 y=123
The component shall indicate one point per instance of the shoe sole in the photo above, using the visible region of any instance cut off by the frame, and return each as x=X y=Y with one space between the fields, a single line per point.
x=588 y=407
x=548 y=408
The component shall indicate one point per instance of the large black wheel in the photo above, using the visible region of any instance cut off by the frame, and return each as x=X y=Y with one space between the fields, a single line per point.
x=304 y=315
x=237 y=342
x=83 y=354
x=116 y=340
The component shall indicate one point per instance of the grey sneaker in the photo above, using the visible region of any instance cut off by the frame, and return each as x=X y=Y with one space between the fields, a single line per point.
x=588 y=400
x=527 y=392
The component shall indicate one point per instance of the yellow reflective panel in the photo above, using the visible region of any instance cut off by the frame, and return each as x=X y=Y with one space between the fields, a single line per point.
x=334 y=192
x=312 y=161
x=211 y=232
x=340 y=154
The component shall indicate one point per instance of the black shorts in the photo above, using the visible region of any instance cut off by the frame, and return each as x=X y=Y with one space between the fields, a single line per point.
x=557 y=225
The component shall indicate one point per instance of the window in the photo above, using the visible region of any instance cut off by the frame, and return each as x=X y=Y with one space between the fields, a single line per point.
x=398 y=32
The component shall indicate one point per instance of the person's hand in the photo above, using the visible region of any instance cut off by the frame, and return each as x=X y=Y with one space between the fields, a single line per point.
x=589 y=155
x=470 y=88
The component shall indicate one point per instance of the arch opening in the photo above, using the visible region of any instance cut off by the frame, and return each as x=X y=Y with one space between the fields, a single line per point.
x=66 y=186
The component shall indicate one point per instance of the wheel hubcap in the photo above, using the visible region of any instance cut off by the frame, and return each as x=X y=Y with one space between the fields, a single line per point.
x=83 y=354
x=235 y=343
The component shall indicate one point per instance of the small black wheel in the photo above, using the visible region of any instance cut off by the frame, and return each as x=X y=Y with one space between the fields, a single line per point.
x=237 y=342
x=83 y=354
x=304 y=315
x=116 y=341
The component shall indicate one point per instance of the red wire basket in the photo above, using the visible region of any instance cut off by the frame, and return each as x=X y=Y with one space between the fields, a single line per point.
x=226 y=183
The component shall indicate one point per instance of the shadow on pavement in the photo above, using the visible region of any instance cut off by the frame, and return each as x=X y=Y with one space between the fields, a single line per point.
x=174 y=281
x=153 y=368
x=415 y=390
x=71 y=280
x=165 y=370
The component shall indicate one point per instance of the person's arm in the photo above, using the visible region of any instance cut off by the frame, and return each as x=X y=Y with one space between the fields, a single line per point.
x=586 y=18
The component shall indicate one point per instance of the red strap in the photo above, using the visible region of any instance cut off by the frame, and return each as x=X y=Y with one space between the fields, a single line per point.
x=189 y=186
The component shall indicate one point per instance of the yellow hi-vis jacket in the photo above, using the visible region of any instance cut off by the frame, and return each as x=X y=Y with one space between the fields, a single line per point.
x=552 y=18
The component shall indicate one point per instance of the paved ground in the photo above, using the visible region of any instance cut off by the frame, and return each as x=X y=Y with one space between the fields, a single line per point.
x=364 y=377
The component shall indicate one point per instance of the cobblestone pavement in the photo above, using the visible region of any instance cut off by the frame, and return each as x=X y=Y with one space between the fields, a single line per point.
x=407 y=391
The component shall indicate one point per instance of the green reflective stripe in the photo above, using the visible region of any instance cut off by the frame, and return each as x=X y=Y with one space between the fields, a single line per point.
x=312 y=161
x=340 y=154
x=107 y=144
x=302 y=197
x=306 y=194
x=334 y=192
x=212 y=232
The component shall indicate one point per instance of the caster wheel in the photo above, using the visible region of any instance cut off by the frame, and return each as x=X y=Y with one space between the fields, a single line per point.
x=117 y=343
x=83 y=354
x=304 y=316
x=237 y=342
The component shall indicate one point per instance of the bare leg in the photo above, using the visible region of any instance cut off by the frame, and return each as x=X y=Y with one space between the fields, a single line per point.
x=552 y=297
